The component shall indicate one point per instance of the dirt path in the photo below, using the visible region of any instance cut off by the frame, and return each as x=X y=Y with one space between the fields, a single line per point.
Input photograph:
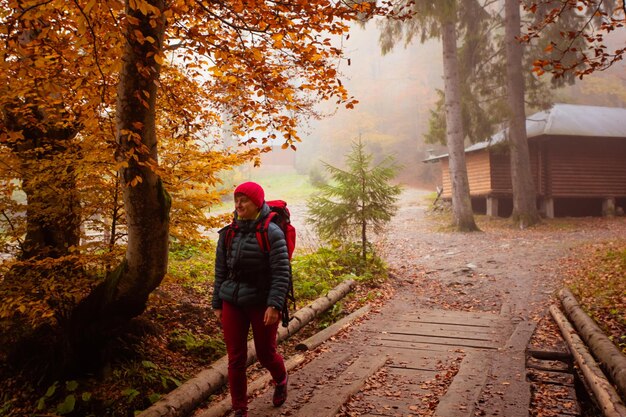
x=418 y=355
x=498 y=269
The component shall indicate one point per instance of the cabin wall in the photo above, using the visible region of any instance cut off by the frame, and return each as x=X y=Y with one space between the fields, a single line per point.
x=573 y=176
x=445 y=178
x=501 y=172
x=478 y=173
x=585 y=167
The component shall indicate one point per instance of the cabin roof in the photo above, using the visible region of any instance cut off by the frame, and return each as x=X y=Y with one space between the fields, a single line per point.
x=564 y=120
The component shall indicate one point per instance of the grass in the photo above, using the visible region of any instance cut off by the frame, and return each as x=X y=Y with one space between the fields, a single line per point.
x=291 y=187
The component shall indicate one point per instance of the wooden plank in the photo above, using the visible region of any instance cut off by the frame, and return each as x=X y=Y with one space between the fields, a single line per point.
x=455 y=313
x=412 y=376
x=379 y=405
x=419 y=360
x=453 y=342
x=328 y=398
x=444 y=334
x=458 y=318
x=461 y=396
x=443 y=327
x=413 y=347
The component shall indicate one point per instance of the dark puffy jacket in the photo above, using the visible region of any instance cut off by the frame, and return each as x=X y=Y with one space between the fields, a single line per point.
x=245 y=275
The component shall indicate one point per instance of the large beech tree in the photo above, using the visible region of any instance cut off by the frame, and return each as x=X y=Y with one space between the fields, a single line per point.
x=144 y=84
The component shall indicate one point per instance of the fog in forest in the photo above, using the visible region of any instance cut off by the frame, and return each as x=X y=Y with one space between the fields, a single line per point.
x=396 y=94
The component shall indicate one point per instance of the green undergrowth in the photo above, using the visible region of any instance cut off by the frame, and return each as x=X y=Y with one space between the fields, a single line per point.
x=316 y=273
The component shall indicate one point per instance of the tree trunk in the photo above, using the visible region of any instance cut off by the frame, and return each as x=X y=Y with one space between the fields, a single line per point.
x=364 y=241
x=524 y=198
x=53 y=209
x=461 y=203
x=124 y=293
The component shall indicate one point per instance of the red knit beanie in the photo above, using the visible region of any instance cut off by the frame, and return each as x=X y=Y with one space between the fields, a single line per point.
x=253 y=191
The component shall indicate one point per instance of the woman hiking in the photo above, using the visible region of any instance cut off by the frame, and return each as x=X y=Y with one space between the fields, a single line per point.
x=249 y=290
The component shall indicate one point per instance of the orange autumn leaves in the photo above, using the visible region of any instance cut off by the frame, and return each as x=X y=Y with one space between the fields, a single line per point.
x=257 y=67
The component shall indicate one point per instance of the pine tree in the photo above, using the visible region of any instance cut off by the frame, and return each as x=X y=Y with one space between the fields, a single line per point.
x=355 y=199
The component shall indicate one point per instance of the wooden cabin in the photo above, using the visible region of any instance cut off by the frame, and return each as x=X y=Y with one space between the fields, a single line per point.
x=578 y=163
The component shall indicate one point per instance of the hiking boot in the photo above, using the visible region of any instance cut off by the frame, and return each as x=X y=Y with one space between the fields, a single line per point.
x=241 y=413
x=280 y=393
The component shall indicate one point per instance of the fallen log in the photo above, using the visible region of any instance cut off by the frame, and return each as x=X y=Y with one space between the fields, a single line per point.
x=320 y=337
x=190 y=394
x=612 y=361
x=606 y=397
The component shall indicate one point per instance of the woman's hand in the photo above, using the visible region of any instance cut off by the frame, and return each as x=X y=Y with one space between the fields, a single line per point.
x=272 y=316
x=218 y=314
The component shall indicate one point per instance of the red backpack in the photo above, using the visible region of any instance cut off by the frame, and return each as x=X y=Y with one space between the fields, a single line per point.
x=279 y=214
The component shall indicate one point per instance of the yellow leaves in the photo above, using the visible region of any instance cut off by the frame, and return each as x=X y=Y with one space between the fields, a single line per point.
x=144 y=7
x=351 y=104
x=288 y=93
x=133 y=20
x=135 y=181
x=139 y=36
x=256 y=53
x=216 y=71
x=12 y=136
x=89 y=6
x=278 y=40
x=159 y=58
x=143 y=39
x=237 y=6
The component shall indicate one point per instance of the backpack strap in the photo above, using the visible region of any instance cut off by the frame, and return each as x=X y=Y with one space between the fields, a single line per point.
x=261 y=232
x=230 y=230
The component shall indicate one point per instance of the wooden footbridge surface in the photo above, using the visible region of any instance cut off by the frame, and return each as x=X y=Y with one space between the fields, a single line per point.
x=399 y=362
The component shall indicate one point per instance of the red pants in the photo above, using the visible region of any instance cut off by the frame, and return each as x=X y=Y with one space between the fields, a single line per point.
x=236 y=322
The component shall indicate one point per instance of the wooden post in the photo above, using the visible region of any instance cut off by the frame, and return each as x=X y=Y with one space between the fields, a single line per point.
x=608 y=206
x=492 y=206
x=547 y=207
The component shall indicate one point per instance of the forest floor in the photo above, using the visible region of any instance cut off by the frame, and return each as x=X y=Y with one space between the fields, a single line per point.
x=498 y=269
